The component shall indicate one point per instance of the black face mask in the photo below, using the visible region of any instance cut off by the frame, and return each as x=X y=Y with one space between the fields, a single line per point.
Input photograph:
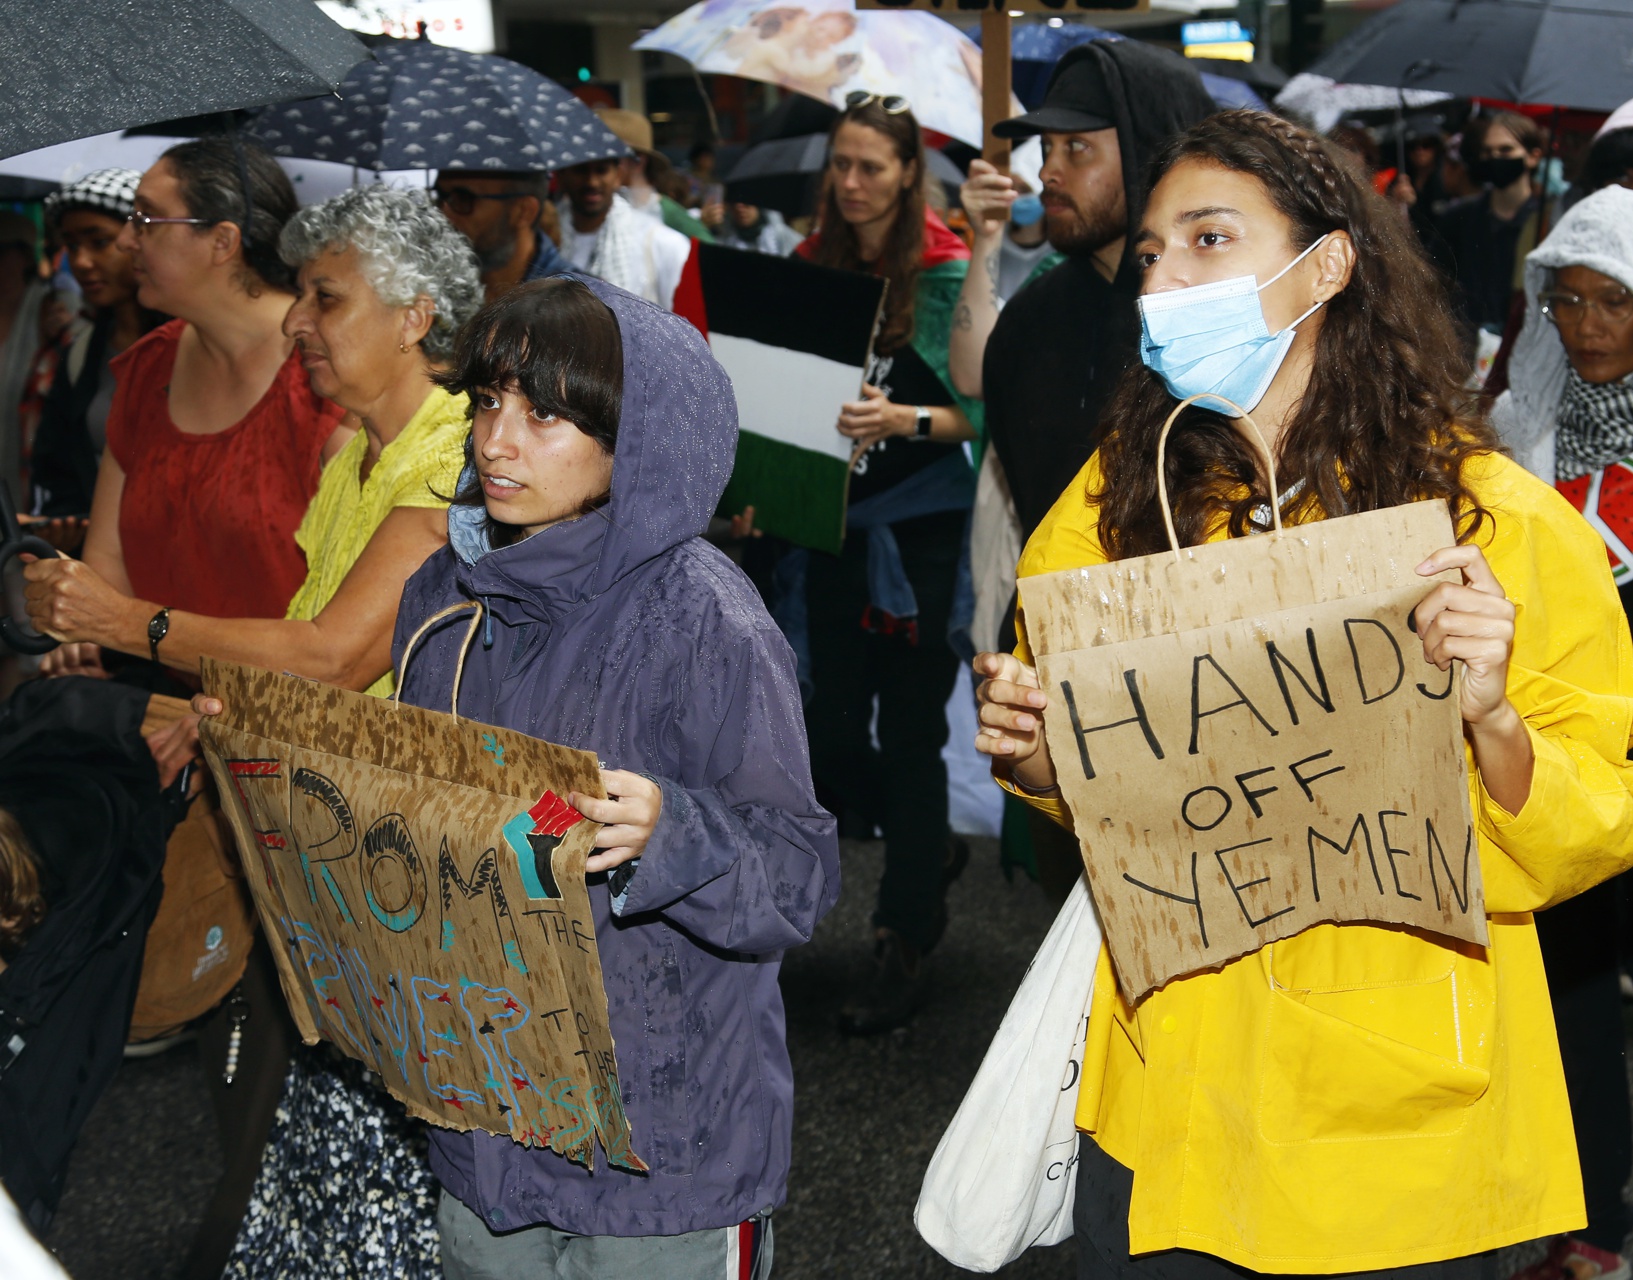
x=1498 y=171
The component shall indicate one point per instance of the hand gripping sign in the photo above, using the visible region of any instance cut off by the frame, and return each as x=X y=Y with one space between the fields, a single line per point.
x=1250 y=741
x=421 y=880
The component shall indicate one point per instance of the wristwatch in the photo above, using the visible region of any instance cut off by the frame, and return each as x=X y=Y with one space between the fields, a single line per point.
x=158 y=628
x=922 y=430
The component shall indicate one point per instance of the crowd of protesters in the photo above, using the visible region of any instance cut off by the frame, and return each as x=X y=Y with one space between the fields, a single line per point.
x=289 y=437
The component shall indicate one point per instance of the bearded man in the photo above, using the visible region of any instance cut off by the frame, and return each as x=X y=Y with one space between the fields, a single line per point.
x=502 y=215
x=1060 y=344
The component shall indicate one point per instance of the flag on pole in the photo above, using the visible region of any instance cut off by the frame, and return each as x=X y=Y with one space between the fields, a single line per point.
x=795 y=339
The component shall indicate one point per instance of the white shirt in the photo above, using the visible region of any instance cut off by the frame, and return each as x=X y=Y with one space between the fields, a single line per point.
x=631 y=251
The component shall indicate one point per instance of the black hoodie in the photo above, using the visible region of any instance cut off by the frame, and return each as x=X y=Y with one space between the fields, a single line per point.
x=1062 y=341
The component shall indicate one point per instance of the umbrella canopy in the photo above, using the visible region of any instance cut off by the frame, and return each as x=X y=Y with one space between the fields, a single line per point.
x=1035 y=48
x=1263 y=75
x=826 y=49
x=425 y=106
x=1324 y=103
x=42 y=170
x=785 y=174
x=1562 y=53
x=99 y=65
x=1227 y=91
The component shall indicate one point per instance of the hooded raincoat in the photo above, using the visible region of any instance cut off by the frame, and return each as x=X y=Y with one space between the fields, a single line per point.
x=622 y=632
x=1596 y=233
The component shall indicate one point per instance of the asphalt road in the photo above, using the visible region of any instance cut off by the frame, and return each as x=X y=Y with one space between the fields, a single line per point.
x=868 y=1115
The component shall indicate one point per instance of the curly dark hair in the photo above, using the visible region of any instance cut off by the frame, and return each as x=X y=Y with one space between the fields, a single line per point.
x=1386 y=418
x=903 y=254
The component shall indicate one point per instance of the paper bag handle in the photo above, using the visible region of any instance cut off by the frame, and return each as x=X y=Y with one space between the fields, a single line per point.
x=1257 y=438
x=464 y=648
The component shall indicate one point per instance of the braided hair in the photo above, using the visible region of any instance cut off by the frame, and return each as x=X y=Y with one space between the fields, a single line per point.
x=1385 y=419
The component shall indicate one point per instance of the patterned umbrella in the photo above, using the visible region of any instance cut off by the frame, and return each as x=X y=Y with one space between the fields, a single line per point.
x=825 y=49
x=425 y=106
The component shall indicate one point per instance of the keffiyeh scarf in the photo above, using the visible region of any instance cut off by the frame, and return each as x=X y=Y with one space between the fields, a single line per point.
x=1595 y=425
x=623 y=250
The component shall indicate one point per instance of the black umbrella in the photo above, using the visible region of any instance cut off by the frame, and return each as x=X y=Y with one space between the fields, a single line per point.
x=1262 y=75
x=424 y=106
x=1566 y=54
x=71 y=70
x=785 y=174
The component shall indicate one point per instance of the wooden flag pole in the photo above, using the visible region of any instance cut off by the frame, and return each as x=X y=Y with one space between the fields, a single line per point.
x=995 y=91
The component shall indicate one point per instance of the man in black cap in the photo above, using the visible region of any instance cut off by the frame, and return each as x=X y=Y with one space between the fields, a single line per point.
x=1058 y=347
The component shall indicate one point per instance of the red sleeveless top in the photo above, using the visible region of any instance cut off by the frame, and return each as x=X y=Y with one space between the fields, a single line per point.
x=207 y=522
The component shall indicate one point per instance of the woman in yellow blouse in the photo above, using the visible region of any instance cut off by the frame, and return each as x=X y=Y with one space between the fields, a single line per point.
x=385 y=284
x=1355 y=1098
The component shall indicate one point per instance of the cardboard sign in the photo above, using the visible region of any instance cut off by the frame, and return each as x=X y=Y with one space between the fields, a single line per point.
x=421 y=881
x=795 y=339
x=1250 y=741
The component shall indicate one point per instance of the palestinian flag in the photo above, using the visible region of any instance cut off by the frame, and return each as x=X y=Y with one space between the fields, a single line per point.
x=1606 y=499
x=795 y=339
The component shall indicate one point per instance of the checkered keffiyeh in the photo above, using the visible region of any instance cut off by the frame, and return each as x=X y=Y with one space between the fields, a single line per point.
x=107 y=190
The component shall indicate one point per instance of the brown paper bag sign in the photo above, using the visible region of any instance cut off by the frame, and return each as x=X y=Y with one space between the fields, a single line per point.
x=1250 y=741
x=421 y=880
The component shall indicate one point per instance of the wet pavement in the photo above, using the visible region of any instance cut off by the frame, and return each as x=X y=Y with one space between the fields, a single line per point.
x=868 y=1112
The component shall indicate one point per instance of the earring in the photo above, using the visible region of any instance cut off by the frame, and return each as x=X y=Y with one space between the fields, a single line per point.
x=403 y=347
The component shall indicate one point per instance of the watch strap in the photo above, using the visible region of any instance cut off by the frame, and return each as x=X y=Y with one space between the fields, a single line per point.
x=158 y=628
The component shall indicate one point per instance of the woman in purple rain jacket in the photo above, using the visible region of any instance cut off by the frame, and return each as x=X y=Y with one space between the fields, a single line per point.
x=602 y=435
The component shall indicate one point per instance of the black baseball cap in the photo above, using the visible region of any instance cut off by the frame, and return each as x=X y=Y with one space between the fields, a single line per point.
x=1076 y=101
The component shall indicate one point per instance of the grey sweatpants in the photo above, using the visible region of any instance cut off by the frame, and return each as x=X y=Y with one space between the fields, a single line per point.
x=471 y=1252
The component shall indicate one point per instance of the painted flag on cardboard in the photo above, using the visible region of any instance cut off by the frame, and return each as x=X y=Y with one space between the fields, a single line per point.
x=795 y=339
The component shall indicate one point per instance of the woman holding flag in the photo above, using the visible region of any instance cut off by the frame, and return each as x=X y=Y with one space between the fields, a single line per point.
x=880 y=611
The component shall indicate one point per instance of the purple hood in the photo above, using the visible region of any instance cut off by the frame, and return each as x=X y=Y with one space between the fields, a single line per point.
x=624 y=633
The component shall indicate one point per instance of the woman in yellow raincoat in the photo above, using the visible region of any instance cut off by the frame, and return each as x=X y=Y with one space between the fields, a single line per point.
x=1355 y=1098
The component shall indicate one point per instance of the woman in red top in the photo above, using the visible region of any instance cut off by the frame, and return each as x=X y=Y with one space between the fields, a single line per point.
x=215 y=439
x=878 y=623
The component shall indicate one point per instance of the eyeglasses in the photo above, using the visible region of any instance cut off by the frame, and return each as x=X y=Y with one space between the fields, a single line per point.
x=140 y=222
x=893 y=103
x=1568 y=309
x=462 y=200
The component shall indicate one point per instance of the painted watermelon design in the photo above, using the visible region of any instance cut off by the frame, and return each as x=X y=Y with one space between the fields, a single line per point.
x=1605 y=498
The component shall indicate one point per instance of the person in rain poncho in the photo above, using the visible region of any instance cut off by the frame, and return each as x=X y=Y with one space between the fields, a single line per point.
x=1568 y=416
x=602 y=436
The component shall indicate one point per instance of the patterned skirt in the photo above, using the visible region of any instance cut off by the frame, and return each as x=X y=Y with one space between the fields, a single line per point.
x=344 y=1191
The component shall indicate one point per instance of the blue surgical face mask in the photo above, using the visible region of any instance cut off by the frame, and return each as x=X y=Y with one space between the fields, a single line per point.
x=1026 y=210
x=1212 y=339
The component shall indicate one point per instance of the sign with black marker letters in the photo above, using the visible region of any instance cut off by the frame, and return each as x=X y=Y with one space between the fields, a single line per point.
x=1250 y=742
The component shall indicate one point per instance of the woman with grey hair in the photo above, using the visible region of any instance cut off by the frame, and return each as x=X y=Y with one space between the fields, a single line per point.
x=384 y=284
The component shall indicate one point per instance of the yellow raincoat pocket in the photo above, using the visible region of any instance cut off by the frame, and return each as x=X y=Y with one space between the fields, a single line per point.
x=1326 y=1079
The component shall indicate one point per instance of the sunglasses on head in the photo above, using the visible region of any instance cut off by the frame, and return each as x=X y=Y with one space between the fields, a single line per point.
x=893 y=103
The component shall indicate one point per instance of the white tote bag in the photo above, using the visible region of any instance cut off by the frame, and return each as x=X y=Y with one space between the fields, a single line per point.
x=1003 y=1176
